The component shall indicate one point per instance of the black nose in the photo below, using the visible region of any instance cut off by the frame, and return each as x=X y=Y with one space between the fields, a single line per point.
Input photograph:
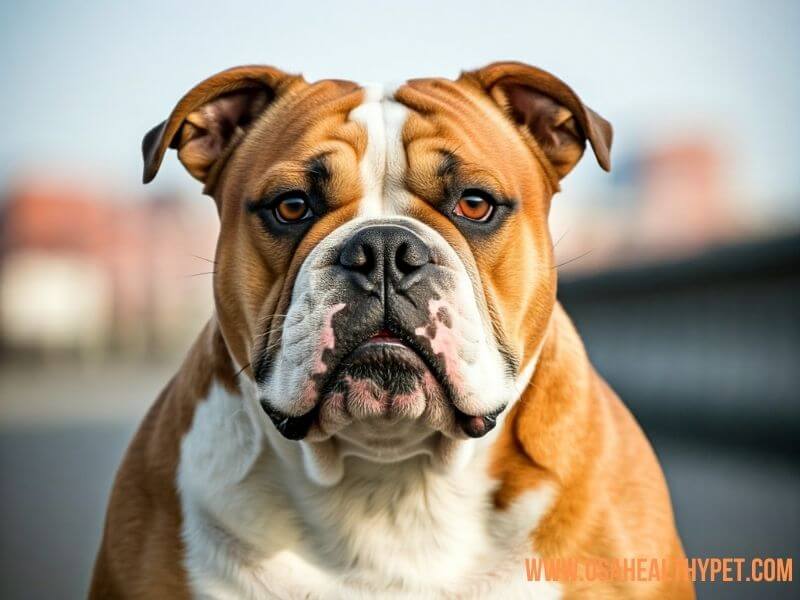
x=381 y=254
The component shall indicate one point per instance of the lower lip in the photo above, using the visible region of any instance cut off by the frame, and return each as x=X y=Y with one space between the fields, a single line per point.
x=384 y=336
x=390 y=341
x=375 y=346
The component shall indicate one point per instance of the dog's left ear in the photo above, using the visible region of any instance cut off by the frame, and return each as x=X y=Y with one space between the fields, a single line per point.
x=207 y=122
x=549 y=110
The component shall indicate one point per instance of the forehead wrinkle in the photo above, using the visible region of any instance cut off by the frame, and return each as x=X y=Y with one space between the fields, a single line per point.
x=350 y=136
x=314 y=122
x=464 y=114
x=436 y=100
x=475 y=155
x=436 y=170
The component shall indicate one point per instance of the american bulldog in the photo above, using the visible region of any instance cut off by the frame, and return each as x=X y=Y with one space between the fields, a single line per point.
x=388 y=401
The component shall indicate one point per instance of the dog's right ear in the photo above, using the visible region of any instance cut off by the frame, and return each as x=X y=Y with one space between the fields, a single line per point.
x=212 y=117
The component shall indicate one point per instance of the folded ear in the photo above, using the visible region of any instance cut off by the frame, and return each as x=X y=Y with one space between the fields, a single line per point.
x=211 y=118
x=549 y=110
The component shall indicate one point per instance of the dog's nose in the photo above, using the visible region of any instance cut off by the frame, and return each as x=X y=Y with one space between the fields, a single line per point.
x=385 y=252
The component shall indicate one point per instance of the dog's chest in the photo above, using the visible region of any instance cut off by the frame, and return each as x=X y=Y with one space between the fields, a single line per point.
x=254 y=527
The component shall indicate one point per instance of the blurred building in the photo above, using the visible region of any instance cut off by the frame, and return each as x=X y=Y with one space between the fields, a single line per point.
x=86 y=272
x=667 y=201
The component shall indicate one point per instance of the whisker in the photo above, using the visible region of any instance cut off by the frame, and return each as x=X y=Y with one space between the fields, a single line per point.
x=277 y=326
x=240 y=371
x=561 y=237
x=566 y=262
x=198 y=274
x=213 y=262
x=271 y=347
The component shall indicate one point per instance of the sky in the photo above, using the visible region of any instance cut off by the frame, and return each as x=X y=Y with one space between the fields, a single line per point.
x=84 y=80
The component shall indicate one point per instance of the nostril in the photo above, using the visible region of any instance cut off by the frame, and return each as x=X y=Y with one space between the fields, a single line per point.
x=356 y=257
x=410 y=257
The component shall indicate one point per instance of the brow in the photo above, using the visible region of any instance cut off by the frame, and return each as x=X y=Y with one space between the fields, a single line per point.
x=449 y=165
x=452 y=167
x=318 y=174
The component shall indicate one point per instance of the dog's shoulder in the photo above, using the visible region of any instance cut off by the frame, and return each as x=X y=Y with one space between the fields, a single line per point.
x=143 y=521
x=571 y=429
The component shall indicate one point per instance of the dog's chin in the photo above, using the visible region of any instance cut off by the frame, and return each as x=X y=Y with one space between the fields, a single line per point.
x=381 y=388
x=383 y=383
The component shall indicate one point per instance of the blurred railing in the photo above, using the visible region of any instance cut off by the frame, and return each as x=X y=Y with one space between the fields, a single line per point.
x=705 y=348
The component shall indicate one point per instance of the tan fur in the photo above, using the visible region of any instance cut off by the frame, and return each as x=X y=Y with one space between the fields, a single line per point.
x=571 y=430
x=568 y=428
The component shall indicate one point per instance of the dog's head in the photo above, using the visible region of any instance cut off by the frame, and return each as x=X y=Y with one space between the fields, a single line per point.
x=384 y=269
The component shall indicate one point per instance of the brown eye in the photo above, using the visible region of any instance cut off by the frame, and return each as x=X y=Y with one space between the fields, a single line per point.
x=474 y=207
x=292 y=209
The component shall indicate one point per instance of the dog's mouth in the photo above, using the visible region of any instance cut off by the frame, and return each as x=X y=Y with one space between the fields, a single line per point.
x=384 y=336
x=388 y=375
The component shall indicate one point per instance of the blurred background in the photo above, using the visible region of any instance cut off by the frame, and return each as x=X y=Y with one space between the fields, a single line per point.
x=679 y=268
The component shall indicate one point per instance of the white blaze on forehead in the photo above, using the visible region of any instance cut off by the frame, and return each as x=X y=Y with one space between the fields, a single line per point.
x=384 y=163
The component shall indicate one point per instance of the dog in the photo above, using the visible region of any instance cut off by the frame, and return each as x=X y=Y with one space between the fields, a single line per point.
x=389 y=401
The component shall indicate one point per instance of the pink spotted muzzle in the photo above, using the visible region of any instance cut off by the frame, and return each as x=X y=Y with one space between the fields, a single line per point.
x=384 y=377
x=390 y=347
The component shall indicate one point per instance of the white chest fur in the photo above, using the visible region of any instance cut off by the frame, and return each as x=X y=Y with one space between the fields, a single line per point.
x=256 y=527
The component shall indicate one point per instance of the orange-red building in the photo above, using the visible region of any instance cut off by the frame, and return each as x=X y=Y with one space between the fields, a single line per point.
x=83 y=269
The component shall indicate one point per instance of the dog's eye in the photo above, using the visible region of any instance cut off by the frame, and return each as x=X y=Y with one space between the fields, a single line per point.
x=292 y=208
x=474 y=206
